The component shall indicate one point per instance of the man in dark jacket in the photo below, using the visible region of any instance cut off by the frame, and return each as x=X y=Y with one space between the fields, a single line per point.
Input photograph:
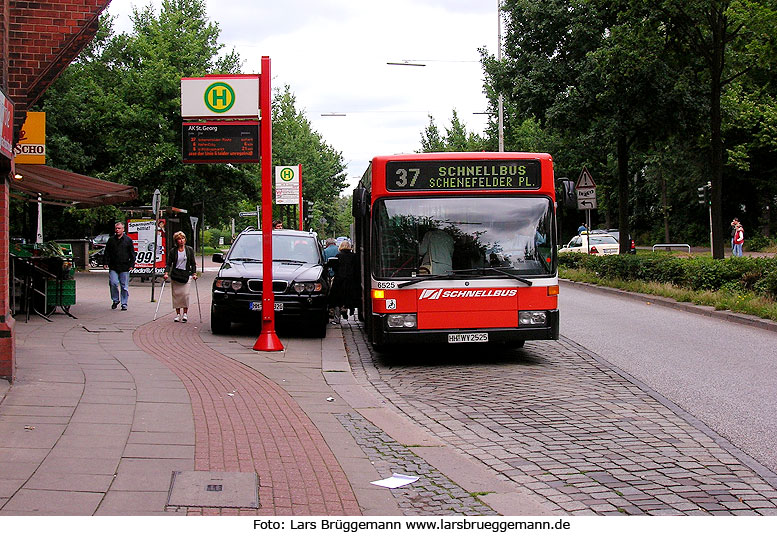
x=119 y=260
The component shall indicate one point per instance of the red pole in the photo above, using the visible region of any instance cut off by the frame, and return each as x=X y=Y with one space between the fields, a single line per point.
x=267 y=341
x=301 y=225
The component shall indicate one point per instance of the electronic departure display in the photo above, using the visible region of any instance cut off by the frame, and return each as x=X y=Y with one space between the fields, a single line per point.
x=221 y=142
x=462 y=175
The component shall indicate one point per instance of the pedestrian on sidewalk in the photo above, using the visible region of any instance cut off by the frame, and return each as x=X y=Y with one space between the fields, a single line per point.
x=733 y=231
x=119 y=259
x=181 y=265
x=345 y=283
x=739 y=240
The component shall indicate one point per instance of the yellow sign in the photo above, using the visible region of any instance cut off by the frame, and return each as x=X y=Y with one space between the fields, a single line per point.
x=31 y=148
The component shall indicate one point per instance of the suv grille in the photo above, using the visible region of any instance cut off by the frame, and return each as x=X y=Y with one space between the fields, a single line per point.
x=255 y=285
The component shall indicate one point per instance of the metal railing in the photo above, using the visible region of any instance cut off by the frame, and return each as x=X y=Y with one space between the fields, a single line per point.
x=668 y=246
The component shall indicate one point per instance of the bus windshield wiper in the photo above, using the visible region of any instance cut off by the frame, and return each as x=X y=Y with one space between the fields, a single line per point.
x=425 y=278
x=508 y=274
x=453 y=273
x=244 y=259
x=288 y=261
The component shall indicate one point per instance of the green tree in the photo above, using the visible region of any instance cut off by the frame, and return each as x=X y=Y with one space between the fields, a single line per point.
x=115 y=112
x=716 y=42
x=323 y=170
x=456 y=139
x=591 y=71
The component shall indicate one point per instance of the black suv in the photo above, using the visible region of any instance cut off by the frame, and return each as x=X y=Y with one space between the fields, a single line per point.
x=300 y=281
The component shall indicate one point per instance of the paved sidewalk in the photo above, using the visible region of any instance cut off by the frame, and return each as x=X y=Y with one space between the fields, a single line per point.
x=108 y=406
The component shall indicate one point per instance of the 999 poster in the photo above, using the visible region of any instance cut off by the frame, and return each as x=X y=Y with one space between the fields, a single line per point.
x=141 y=232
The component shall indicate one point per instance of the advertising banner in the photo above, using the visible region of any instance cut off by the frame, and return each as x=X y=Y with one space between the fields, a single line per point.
x=31 y=148
x=141 y=232
x=6 y=126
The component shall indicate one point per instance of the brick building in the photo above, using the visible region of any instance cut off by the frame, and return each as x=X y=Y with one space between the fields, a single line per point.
x=38 y=39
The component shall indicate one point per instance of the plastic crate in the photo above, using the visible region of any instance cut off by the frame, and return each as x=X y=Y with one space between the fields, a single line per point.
x=65 y=296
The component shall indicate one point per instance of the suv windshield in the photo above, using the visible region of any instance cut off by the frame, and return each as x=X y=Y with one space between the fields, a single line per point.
x=284 y=248
x=438 y=236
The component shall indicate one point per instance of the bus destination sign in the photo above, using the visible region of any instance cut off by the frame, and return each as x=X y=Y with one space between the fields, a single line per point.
x=462 y=175
x=221 y=142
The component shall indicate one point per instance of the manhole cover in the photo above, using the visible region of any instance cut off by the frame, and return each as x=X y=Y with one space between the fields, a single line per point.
x=214 y=489
x=102 y=329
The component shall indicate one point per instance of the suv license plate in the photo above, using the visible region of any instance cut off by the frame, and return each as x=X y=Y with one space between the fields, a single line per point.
x=257 y=306
x=467 y=337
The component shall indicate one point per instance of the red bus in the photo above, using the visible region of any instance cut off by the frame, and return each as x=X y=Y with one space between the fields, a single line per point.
x=458 y=247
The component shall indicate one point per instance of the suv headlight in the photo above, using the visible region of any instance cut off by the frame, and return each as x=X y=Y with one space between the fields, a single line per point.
x=299 y=288
x=226 y=284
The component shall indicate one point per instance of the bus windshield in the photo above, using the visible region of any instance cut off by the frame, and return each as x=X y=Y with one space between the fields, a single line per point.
x=413 y=237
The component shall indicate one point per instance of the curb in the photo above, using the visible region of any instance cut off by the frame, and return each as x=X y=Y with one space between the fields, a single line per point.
x=703 y=310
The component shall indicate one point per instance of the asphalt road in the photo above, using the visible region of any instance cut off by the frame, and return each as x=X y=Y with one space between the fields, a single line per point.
x=723 y=373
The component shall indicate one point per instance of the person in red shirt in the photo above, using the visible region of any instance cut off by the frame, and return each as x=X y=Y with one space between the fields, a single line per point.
x=739 y=240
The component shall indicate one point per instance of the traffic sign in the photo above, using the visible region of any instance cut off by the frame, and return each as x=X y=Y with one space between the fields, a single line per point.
x=586 y=204
x=586 y=199
x=585 y=181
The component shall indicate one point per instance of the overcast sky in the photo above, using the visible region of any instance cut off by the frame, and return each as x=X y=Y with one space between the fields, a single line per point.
x=333 y=54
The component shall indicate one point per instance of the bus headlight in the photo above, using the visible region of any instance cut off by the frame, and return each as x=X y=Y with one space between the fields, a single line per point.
x=532 y=318
x=408 y=321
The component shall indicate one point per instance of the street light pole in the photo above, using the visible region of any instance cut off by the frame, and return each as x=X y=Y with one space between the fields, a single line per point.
x=500 y=99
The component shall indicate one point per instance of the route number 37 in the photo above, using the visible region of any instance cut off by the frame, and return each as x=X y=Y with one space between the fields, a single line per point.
x=407 y=177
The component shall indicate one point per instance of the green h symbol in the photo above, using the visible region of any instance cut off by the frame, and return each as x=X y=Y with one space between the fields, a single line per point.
x=219 y=97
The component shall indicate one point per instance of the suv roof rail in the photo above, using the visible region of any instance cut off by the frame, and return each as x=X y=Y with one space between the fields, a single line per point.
x=249 y=229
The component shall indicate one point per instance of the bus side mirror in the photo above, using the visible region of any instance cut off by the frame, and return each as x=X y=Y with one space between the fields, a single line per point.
x=360 y=205
x=568 y=194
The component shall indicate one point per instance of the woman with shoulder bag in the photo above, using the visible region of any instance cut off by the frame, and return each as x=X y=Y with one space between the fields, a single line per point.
x=181 y=265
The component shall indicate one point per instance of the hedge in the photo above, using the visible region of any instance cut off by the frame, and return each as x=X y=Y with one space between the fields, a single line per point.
x=758 y=275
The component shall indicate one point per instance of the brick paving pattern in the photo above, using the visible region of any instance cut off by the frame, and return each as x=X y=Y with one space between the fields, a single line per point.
x=568 y=426
x=433 y=493
x=245 y=423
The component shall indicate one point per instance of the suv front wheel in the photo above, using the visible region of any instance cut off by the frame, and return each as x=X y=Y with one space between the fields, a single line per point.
x=219 y=325
x=318 y=324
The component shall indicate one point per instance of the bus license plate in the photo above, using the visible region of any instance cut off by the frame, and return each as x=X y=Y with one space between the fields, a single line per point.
x=257 y=306
x=467 y=337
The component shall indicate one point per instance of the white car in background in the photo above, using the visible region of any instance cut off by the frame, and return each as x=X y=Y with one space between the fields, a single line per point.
x=594 y=244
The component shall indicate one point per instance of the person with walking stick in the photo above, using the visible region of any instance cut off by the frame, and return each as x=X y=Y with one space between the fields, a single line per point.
x=181 y=265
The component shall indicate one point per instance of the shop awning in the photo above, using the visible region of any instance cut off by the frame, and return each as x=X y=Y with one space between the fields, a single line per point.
x=62 y=187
